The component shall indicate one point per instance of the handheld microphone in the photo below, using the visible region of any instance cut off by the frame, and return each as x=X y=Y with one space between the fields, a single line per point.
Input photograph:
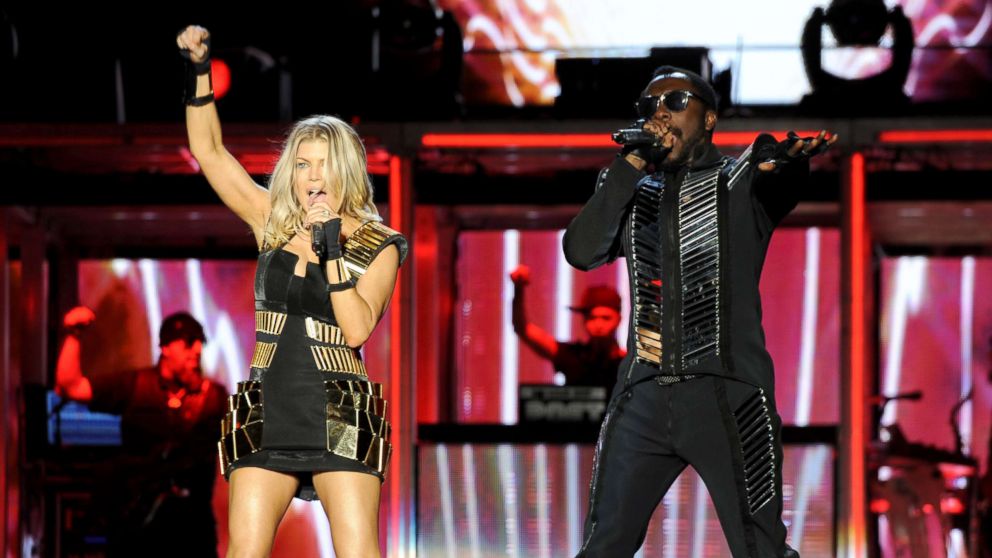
x=907 y=395
x=317 y=241
x=636 y=136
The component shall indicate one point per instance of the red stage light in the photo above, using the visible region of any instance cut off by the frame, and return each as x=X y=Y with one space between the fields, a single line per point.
x=396 y=417
x=570 y=141
x=221 y=77
x=857 y=254
x=519 y=141
x=951 y=505
x=935 y=136
x=879 y=506
x=730 y=139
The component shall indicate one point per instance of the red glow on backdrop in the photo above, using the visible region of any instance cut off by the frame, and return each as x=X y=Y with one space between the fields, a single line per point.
x=520 y=141
x=432 y=298
x=935 y=136
x=857 y=251
x=952 y=505
x=879 y=506
x=378 y=161
x=575 y=141
x=394 y=507
x=263 y=162
x=221 y=77
x=259 y=163
x=744 y=138
x=378 y=155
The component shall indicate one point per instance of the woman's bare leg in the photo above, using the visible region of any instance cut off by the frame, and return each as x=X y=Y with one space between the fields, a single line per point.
x=258 y=499
x=351 y=502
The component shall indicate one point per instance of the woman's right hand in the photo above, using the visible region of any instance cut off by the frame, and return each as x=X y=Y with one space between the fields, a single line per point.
x=193 y=39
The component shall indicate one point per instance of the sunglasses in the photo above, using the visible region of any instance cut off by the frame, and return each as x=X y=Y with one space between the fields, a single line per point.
x=674 y=101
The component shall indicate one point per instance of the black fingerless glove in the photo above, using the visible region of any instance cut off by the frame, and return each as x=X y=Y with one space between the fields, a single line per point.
x=194 y=70
x=202 y=67
x=326 y=243
x=326 y=240
x=767 y=150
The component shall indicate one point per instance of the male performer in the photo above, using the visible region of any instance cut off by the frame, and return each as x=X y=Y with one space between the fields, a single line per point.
x=697 y=386
x=592 y=362
x=170 y=421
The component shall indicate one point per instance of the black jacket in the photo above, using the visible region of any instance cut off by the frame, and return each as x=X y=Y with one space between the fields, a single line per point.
x=695 y=241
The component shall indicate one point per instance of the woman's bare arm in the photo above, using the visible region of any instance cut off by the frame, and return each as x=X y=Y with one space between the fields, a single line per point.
x=226 y=176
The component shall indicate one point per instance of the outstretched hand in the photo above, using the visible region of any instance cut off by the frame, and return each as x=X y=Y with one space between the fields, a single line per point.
x=793 y=148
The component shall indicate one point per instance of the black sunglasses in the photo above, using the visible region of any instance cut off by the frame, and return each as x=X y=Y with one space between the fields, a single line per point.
x=675 y=101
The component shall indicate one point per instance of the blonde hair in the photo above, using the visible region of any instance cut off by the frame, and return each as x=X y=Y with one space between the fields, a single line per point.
x=345 y=169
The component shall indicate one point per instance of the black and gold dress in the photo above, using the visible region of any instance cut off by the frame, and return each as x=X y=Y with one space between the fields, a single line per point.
x=308 y=405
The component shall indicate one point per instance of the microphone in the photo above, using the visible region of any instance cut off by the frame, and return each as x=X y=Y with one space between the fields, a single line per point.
x=636 y=136
x=317 y=241
x=907 y=395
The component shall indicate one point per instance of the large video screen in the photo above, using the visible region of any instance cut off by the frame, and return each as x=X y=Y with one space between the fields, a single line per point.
x=482 y=501
x=511 y=46
x=800 y=290
x=935 y=331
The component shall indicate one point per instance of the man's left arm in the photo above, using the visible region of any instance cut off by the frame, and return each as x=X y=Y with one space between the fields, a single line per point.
x=782 y=170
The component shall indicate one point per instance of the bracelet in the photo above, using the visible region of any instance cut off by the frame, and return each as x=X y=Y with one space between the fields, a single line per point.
x=343 y=286
x=202 y=67
x=190 y=97
x=348 y=283
x=332 y=243
x=193 y=71
x=200 y=101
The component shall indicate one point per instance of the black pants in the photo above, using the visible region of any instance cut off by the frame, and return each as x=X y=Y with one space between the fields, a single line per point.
x=726 y=430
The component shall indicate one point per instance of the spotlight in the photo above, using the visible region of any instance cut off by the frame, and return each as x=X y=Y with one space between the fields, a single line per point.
x=221 y=75
x=414 y=42
x=857 y=22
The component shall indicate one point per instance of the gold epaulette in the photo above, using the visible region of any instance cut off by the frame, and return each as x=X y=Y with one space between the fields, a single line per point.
x=365 y=244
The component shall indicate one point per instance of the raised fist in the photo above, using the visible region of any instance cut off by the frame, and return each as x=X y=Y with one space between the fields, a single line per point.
x=195 y=41
x=520 y=276
x=78 y=318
